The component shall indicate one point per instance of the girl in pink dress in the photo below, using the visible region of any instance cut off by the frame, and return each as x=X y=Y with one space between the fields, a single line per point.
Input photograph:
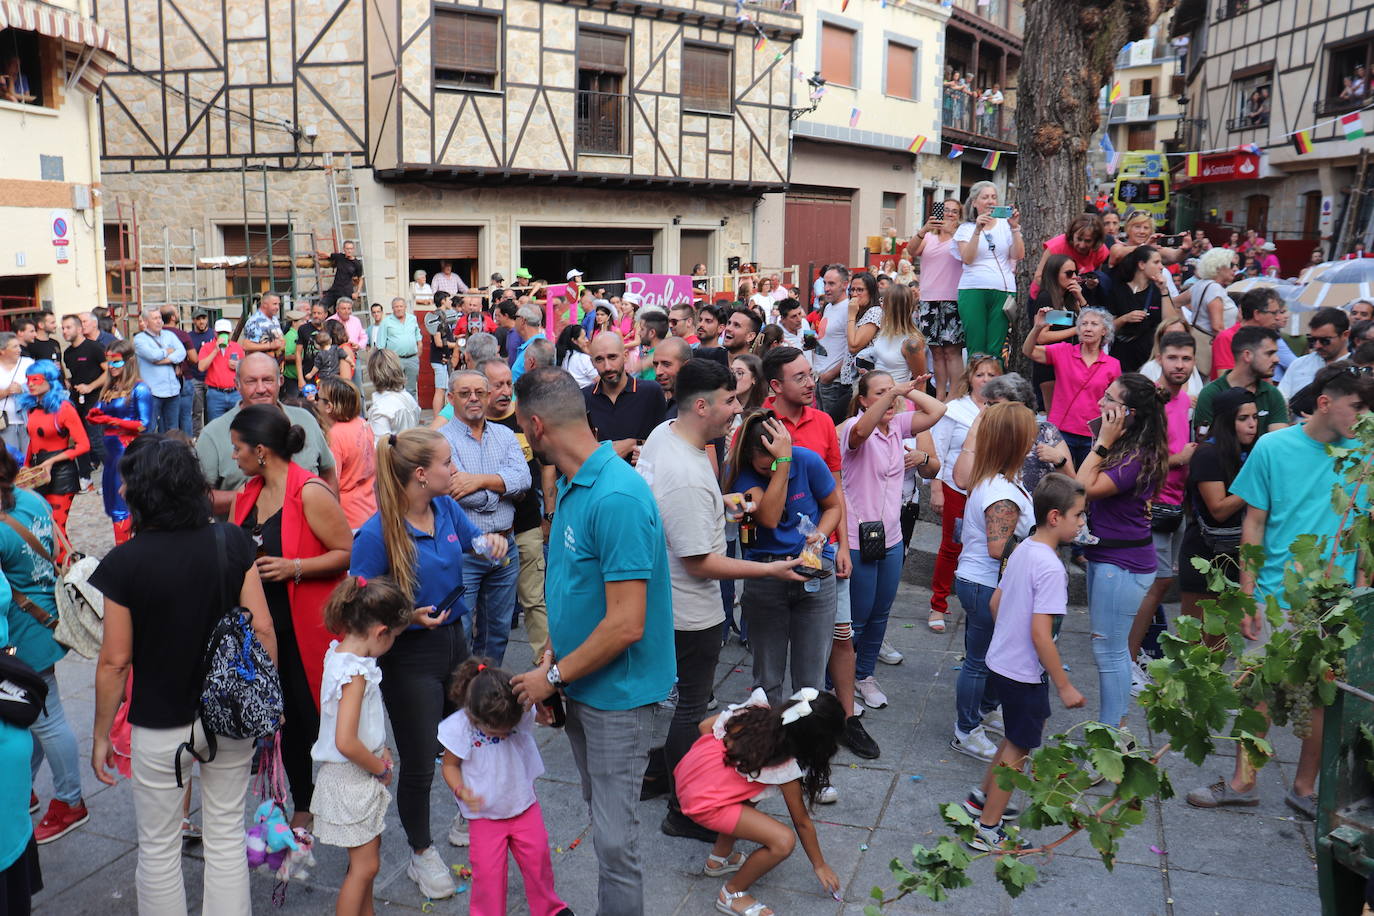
x=748 y=753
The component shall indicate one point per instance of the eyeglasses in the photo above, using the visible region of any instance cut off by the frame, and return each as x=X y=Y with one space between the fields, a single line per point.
x=1107 y=397
x=673 y=322
x=1319 y=341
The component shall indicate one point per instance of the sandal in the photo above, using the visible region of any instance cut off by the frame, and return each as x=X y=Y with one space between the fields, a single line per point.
x=725 y=903
x=716 y=866
x=936 y=621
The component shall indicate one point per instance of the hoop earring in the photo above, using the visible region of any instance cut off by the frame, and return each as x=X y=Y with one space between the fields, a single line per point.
x=423 y=485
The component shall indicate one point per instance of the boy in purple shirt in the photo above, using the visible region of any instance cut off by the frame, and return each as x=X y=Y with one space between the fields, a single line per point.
x=1034 y=589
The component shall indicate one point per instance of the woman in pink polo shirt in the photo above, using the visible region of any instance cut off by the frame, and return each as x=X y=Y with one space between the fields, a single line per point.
x=1082 y=372
x=872 y=466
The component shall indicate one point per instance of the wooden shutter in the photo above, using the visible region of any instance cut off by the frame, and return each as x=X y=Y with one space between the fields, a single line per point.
x=467 y=42
x=837 y=54
x=901 y=70
x=442 y=242
x=234 y=245
x=600 y=51
x=705 y=78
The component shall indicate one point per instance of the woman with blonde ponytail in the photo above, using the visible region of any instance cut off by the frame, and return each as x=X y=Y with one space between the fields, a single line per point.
x=418 y=538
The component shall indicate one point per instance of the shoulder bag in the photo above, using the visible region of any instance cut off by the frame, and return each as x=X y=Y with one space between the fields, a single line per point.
x=23 y=692
x=80 y=621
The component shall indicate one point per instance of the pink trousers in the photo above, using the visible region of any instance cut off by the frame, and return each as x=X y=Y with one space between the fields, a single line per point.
x=526 y=839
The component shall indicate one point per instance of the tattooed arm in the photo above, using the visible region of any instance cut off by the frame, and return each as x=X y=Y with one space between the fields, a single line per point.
x=1000 y=521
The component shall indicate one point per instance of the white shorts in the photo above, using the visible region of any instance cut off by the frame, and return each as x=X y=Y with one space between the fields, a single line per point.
x=440 y=376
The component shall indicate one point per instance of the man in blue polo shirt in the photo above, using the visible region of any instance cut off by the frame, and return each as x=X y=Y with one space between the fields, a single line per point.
x=610 y=622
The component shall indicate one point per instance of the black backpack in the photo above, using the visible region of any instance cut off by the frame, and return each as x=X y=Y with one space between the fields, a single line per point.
x=23 y=692
x=240 y=694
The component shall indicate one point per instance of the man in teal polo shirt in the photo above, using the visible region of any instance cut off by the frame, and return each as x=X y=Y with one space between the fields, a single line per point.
x=610 y=615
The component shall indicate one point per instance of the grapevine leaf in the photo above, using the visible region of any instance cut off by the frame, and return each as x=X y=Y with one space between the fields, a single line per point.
x=1107 y=761
x=1014 y=874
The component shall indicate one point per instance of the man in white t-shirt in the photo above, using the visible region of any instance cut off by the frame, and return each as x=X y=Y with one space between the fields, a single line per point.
x=833 y=394
x=673 y=462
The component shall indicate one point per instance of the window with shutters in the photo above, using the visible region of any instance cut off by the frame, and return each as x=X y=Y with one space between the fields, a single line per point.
x=901 y=71
x=837 y=55
x=602 y=112
x=706 y=78
x=465 y=49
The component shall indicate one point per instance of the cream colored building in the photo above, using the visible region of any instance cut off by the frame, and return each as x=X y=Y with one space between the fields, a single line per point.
x=1148 y=72
x=497 y=134
x=52 y=59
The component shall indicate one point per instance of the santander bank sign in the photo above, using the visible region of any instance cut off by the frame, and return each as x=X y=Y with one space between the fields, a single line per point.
x=1230 y=166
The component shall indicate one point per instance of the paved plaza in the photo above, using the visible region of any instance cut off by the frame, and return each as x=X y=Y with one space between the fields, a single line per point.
x=1181 y=861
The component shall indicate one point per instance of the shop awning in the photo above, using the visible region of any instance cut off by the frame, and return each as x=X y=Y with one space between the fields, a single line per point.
x=88 y=48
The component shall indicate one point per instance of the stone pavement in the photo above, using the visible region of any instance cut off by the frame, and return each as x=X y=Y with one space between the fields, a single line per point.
x=1181 y=861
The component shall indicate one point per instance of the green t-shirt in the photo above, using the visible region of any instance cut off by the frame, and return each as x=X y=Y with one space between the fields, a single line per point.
x=288 y=368
x=1269 y=403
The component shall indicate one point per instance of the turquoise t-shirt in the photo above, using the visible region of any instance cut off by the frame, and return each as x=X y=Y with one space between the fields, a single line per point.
x=1290 y=476
x=32 y=575
x=16 y=747
x=606 y=528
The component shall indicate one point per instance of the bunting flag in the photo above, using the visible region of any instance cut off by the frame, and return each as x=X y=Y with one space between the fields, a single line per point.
x=761 y=43
x=1194 y=164
x=1254 y=148
x=990 y=161
x=854 y=117
x=1302 y=142
x=1115 y=93
x=917 y=144
x=844 y=5
x=1352 y=125
x=955 y=151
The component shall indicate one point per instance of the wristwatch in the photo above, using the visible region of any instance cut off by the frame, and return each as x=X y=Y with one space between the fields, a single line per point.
x=1060 y=463
x=1101 y=450
x=555 y=679
x=548 y=516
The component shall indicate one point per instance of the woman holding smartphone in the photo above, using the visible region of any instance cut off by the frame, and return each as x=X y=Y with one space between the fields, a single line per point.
x=418 y=538
x=939 y=290
x=988 y=246
x=1061 y=293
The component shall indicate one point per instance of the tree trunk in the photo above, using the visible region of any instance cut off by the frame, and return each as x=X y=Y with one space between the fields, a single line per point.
x=1071 y=54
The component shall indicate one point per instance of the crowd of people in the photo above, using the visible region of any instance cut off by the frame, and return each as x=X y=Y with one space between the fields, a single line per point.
x=634 y=487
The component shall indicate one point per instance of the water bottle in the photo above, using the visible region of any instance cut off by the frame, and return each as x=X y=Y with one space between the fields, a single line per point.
x=483 y=549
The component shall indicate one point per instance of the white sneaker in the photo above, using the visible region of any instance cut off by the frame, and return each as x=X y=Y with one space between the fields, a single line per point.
x=888 y=655
x=458 y=833
x=868 y=690
x=828 y=796
x=1140 y=678
x=430 y=873
x=974 y=744
x=993 y=722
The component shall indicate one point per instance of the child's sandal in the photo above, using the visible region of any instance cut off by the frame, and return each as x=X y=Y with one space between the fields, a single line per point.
x=726 y=899
x=936 y=621
x=716 y=866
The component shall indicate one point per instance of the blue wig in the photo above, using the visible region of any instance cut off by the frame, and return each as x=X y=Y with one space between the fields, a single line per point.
x=56 y=393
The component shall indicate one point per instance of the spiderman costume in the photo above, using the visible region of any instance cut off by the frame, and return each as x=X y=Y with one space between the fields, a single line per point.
x=124 y=418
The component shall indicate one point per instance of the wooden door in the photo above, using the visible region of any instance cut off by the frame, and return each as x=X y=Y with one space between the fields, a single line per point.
x=817 y=230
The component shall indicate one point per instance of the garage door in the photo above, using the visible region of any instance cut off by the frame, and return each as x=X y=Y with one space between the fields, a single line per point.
x=817 y=230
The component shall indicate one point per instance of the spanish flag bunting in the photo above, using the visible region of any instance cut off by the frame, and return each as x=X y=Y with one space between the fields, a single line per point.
x=844 y=5
x=1115 y=93
x=990 y=161
x=1194 y=162
x=1302 y=142
x=917 y=144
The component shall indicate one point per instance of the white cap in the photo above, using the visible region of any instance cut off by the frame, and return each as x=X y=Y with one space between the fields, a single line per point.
x=224 y=326
x=632 y=298
x=574 y=273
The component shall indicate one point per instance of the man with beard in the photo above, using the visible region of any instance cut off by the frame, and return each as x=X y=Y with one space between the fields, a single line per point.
x=622 y=409
x=834 y=394
x=669 y=357
x=740 y=331
x=1257 y=353
x=708 y=326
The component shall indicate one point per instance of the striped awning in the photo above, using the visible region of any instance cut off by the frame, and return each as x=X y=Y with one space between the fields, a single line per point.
x=88 y=50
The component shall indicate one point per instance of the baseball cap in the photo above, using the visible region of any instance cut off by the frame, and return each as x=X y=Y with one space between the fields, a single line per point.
x=574 y=273
x=295 y=315
x=497 y=278
x=522 y=273
x=200 y=313
x=223 y=326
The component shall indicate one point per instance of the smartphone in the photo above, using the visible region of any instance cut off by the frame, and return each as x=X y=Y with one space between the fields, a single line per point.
x=867 y=365
x=449 y=601
x=812 y=572
x=554 y=704
x=937 y=212
x=1059 y=318
x=1001 y=212
x=1171 y=241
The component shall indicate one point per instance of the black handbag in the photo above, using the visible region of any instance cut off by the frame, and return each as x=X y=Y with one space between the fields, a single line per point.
x=872 y=541
x=1165 y=518
x=63 y=477
x=23 y=692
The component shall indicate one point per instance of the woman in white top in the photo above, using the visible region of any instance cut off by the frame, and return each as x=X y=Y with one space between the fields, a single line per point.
x=421 y=293
x=763 y=299
x=1208 y=306
x=899 y=347
x=989 y=247
x=947 y=498
x=571 y=354
x=13 y=365
x=393 y=409
x=997 y=515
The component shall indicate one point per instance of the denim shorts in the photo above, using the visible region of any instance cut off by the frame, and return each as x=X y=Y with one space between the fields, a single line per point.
x=1025 y=709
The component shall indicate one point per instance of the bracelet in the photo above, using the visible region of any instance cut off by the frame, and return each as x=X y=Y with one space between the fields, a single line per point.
x=297 y=561
x=778 y=461
x=1060 y=463
x=1101 y=451
x=386 y=771
x=924 y=461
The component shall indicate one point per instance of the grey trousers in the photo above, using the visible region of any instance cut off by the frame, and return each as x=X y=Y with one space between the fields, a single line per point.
x=410 y=365
x=611 y=749
x=786 y=620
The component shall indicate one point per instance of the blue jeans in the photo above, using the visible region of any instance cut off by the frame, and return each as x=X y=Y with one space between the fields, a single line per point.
x=167 y=412
x=872 y=588
x=219 y=402
x=184 y=403
x=727 y=600
x=490 y=598
x=56 y=742
x=1114 y=595
x=972 y=699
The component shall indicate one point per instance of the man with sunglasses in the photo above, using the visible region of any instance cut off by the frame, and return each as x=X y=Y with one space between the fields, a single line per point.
x=1328 y=341
x=682 y=322
x=1259 y=308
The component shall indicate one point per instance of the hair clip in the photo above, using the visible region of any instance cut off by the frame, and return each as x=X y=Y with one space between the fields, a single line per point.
x=481 y=667
x=391 y=440
x=362 y=583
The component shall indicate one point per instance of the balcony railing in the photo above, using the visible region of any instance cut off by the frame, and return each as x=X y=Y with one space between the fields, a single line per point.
x=996 y=122
x=1338 y=105
x=1232 y=8
x=1135 y=108
x=1248 y=121
x=1007 y=14
x=1161 y=53
x=601 y=122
